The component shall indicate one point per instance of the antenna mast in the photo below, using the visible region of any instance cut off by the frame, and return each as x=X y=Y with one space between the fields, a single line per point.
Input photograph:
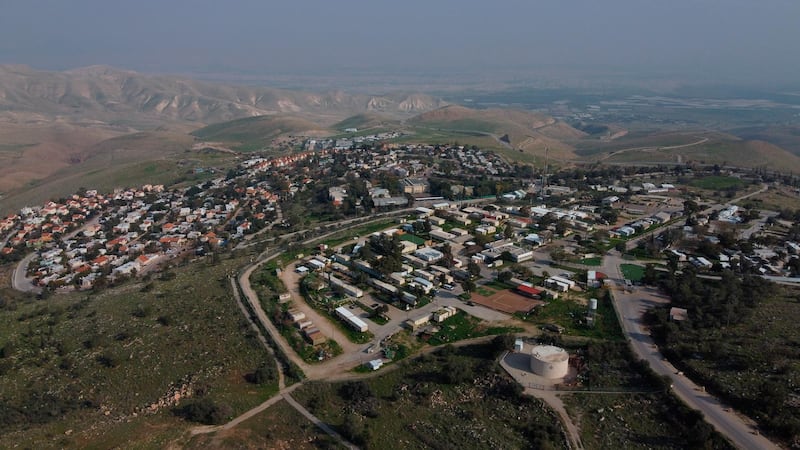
x=544 y=175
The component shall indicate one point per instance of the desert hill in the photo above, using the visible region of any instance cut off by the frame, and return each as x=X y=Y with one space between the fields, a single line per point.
x=109 y=95
x=528 y=132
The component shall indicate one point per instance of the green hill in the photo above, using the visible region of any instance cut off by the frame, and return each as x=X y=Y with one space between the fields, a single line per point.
x=366 y=121
x=255 y=132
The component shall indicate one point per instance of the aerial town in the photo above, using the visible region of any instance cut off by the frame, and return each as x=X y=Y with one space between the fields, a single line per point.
x=462 y=236
x=75 y=242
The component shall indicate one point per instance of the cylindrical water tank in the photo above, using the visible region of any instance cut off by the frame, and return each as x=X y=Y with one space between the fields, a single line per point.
x=549 y=361
x=592 y=304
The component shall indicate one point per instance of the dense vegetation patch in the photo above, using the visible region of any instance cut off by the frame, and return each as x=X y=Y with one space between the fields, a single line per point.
x=740 y=341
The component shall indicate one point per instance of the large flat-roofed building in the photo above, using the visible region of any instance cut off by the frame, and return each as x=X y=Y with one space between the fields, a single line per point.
x=428 y=254
x=414 y=185
x=347 y=288
x=351 y=319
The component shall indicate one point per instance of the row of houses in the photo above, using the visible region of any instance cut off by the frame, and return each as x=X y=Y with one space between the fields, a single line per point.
x=311 y=333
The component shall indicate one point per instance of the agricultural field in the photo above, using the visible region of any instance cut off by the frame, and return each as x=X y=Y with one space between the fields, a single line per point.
x=111 y=368
x=454 y=398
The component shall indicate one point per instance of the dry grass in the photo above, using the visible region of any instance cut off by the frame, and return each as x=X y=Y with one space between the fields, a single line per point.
x=36 y=151
x=774 y=200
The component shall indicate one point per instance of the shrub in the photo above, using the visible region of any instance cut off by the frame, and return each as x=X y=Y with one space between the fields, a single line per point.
x=204 y=411
x=263 y=375
x=107 y=360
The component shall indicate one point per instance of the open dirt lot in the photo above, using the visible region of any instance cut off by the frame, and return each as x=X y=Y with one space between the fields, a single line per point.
x=506 y=301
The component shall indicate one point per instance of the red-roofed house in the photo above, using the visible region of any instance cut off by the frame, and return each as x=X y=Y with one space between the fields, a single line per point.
x=528 y=291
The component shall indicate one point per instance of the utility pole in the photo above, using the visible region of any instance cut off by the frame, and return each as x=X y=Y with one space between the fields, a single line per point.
x=544 y=174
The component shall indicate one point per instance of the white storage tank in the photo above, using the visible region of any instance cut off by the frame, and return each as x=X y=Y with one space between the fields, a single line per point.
x=593 y=304
x=549 y=361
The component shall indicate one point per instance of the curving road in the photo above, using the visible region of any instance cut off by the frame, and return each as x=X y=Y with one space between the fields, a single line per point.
x=630 y=306
x=19 y=280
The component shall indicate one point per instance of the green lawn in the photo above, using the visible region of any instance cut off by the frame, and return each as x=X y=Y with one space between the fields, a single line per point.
x=595 y=262
x=412 y=238
x=463 y=326
x=632 y=272
x=715 y=182
x=484 y=291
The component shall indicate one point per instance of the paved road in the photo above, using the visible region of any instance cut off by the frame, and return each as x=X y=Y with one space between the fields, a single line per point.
x=19 y=281
x=630 y=306
x=11 y=233
x=649 y=149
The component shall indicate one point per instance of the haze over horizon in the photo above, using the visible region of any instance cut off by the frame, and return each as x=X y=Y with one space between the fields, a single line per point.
x=705 y=41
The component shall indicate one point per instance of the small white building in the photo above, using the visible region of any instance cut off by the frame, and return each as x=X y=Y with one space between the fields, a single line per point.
x=375 y=364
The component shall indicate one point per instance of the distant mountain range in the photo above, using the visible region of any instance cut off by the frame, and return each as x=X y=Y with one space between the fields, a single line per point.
x=119 y=97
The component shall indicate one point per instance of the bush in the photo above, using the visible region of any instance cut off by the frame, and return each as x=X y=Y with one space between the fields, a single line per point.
x=140 y=311
x=263 y=375
x=204 y=411
x=108 y=360
x=164 y=320
x=355 y=391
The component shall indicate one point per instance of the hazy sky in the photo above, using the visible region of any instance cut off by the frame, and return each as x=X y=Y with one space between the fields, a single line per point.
x=703 y=39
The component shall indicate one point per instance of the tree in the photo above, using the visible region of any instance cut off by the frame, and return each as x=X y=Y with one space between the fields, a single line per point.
x=690 y=207
x=263 y=375
x=502 y=343
x=447 y=251
x=468 y=286
x=561 y=227
x=650 y=275
x=609 y=215
x=508 y=231
x=473 y=268
x=505 y=276
x=558 y=253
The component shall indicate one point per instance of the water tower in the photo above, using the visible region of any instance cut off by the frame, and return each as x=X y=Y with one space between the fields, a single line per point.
x=549 y=361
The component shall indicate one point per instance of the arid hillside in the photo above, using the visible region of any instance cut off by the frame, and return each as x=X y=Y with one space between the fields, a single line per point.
x=110 y=95
x=527 y=132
